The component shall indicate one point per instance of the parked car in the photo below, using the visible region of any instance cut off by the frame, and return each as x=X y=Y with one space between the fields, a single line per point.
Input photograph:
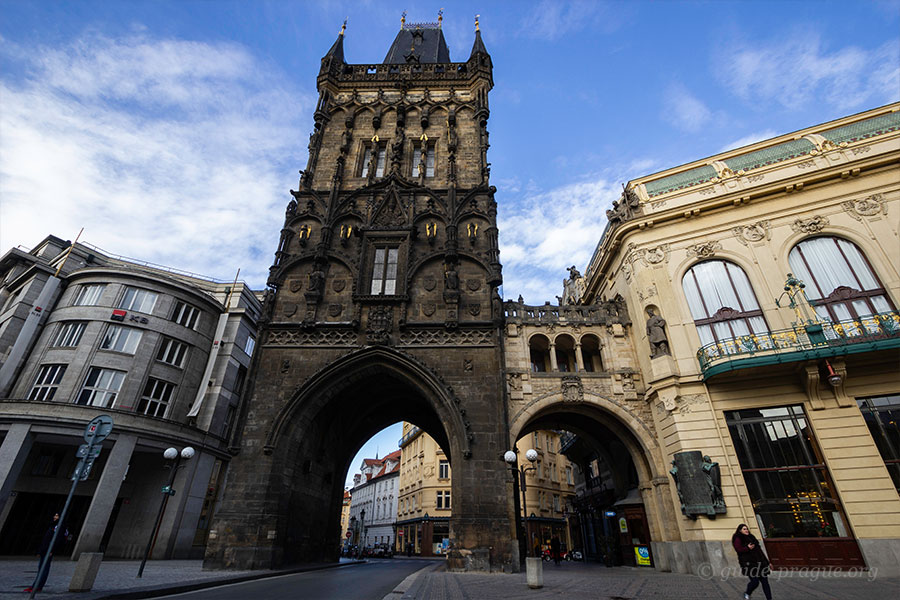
x=573 y=555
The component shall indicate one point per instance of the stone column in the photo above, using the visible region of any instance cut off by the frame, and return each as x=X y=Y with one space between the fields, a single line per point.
x=579 y=359
x=13 y=452
x=553 y=364
x=105 y=495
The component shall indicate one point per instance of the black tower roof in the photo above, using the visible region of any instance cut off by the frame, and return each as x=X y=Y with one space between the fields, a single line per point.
x=418 y=43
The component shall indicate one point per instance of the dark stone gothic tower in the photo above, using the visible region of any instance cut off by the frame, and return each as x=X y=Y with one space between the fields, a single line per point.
x=383 y=307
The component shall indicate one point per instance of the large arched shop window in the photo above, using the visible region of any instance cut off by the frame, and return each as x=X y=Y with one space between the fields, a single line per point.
x=722 y=302
x=840 y=284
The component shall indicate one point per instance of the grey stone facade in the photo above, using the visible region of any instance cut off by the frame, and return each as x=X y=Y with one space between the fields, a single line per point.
x=139 y=350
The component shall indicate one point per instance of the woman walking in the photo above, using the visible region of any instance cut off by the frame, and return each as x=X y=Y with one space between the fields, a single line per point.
x=753 y=561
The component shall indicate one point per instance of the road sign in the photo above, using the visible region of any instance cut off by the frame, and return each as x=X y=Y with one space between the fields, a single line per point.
x=94 y=451
x=400 y=533
x=98 y=428
x=349 y=534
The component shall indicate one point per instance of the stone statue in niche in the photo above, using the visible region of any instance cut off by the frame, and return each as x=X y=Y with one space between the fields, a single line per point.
x=423 y=166
x=698 y=483
x=656 y=334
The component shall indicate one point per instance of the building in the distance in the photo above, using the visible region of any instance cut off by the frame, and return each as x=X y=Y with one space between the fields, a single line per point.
x=346 y=533
x=373 y=507
x=423 y=513
x=164 y=353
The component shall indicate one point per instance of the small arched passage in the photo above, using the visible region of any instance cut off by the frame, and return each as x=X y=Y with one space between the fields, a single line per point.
x=316 y=435
x=621 y=441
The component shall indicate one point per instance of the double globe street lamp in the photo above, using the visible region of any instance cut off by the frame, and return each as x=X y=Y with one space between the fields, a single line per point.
x=171 y=454
x=511 y=459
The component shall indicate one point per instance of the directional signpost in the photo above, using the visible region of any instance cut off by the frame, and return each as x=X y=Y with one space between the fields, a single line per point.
x=94 y=434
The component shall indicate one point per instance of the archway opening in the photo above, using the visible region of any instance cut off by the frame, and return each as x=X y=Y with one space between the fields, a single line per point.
x=590 y=467
x=331 y=422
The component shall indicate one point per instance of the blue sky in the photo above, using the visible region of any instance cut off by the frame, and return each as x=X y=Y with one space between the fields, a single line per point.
x=172 y=131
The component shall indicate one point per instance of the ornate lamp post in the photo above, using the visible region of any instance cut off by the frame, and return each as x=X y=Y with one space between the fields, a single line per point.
x=170 y=454
x=511 y=458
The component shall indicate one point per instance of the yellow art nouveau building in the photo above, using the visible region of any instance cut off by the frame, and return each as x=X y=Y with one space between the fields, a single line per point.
x=763 y=286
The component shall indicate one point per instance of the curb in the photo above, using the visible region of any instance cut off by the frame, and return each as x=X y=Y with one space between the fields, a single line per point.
x=407 y=583
x=167 y=589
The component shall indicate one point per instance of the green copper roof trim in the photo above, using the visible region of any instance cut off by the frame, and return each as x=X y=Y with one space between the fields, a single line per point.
x=864 y=129
x=801 y=355
x=770 y=155
x=681 y=180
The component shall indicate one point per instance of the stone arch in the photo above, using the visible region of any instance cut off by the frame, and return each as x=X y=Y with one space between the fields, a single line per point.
x=310 y=443
x=596 y=413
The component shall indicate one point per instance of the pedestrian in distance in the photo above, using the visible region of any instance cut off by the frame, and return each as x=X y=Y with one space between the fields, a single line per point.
x=554 y=550
x=753 y=561
x=46 y=550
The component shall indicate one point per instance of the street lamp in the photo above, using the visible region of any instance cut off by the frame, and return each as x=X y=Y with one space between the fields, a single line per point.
x=170 y=454
x=511 y=458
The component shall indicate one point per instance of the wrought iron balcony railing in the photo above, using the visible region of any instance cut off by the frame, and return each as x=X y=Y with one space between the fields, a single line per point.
x=817 y=340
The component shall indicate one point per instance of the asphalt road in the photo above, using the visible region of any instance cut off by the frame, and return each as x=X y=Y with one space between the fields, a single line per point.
x=371 y=581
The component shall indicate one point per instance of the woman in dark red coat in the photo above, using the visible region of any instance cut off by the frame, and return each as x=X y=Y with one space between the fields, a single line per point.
x=752 y=559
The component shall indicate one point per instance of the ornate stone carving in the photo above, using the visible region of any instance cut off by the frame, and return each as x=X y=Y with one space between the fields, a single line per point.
x=441 y=337
x=429 y=283
x=468 y=366
x=474 y=309
x=293 y=337
x=572 y=389
x=429 y=308
x=869 y=206
x=514 y=380
x=335 y=309
x=656 y=334
x=806 y=164
x=704 y=249
x=755 y=178
x=473 y=285
x=861 y=150
x=290 y=309
x=648 y=293
x=755 y=232
x=689 y=403
x=812 y=225
x=338 y=285
x=295 y=285
x=380 y=325
x=657 y=254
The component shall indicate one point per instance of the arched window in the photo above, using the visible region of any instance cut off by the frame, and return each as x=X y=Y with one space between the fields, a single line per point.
x=565 y=354
x=721 y=301
x=840 y=284
x=590 y=353
x=540 y=354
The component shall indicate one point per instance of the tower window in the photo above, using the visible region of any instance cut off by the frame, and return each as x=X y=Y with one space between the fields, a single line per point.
x=429 y=161
x=384 y=271
x=367 y=160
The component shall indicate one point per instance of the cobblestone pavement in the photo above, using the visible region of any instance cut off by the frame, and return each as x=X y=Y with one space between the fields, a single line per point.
x=579 y=581
x=114 y=576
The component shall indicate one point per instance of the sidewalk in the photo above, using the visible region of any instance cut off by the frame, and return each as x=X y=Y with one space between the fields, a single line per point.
x=575 y=581
x=119 y=577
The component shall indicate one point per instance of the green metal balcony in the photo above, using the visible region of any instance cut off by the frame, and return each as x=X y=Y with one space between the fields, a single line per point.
x=801 y=343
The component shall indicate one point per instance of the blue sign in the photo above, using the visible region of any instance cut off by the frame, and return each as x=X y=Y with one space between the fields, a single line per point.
x=609 y=513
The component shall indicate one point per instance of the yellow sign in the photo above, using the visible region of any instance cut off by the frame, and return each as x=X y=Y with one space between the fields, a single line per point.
x=642 y=556
x=623 y=525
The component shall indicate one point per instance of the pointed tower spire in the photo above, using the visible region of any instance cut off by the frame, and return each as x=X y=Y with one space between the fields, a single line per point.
x=478 y=46
x=336 y=52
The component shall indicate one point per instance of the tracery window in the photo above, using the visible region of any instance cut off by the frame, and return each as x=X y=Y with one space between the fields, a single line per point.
x=722 y=301
x=840 y=283
x=367 y=159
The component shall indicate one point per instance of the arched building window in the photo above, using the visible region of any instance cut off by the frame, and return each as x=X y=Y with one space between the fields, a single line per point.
x=840 y=284
x=565 y=354
x=539 y=347
x=722 y=301
x=590 y=353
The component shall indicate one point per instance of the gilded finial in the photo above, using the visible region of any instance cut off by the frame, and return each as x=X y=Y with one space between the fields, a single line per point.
x=344 y=26
x=476 y=23
x=440 y=17
x=402 y=19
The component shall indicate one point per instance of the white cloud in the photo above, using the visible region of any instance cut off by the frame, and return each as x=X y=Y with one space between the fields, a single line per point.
x=683 y=110
x=552 y=19
x=799 y=69
x=750 y=138
x=546 y=232
x=172 y=151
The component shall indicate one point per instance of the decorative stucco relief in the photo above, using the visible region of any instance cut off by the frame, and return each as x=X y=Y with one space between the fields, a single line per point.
x=754 y=232
x=811 y=225
x=869 y=206
x=704 y=249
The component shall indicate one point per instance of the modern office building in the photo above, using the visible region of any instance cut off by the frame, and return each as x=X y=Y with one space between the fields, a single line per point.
x=164 y=353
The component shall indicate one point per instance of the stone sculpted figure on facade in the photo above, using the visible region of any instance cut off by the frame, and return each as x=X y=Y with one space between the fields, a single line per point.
x=656 y=334
x=714 y=482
